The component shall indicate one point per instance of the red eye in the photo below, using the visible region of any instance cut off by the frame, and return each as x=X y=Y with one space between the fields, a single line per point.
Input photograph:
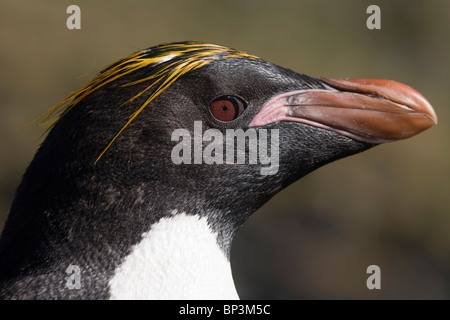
x=227 y=108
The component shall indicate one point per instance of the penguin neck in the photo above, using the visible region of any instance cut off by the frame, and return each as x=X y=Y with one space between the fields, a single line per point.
x=178 y=258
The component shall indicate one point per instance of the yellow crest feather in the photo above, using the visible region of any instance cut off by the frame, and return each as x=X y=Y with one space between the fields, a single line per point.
x=172 y=60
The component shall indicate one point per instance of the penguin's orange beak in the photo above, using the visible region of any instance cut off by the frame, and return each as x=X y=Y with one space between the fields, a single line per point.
x=368 y=110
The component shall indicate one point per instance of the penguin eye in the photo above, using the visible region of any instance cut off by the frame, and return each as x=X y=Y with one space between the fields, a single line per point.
x=227 y=108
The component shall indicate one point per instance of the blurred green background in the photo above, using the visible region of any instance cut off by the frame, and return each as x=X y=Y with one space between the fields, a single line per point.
x=388 y=206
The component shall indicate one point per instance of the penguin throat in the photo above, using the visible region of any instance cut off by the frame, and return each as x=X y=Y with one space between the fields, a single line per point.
x=179 y=258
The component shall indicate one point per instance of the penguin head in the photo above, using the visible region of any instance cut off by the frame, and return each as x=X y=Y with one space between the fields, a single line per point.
x=209 y=130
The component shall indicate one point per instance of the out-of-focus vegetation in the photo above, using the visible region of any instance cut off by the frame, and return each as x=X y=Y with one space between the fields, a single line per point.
x=388 y=206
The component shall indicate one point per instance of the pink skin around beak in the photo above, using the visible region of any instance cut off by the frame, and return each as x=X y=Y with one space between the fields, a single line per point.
x=368 y=110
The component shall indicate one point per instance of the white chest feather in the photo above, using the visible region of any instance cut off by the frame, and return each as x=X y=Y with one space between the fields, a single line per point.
x=177 y=259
